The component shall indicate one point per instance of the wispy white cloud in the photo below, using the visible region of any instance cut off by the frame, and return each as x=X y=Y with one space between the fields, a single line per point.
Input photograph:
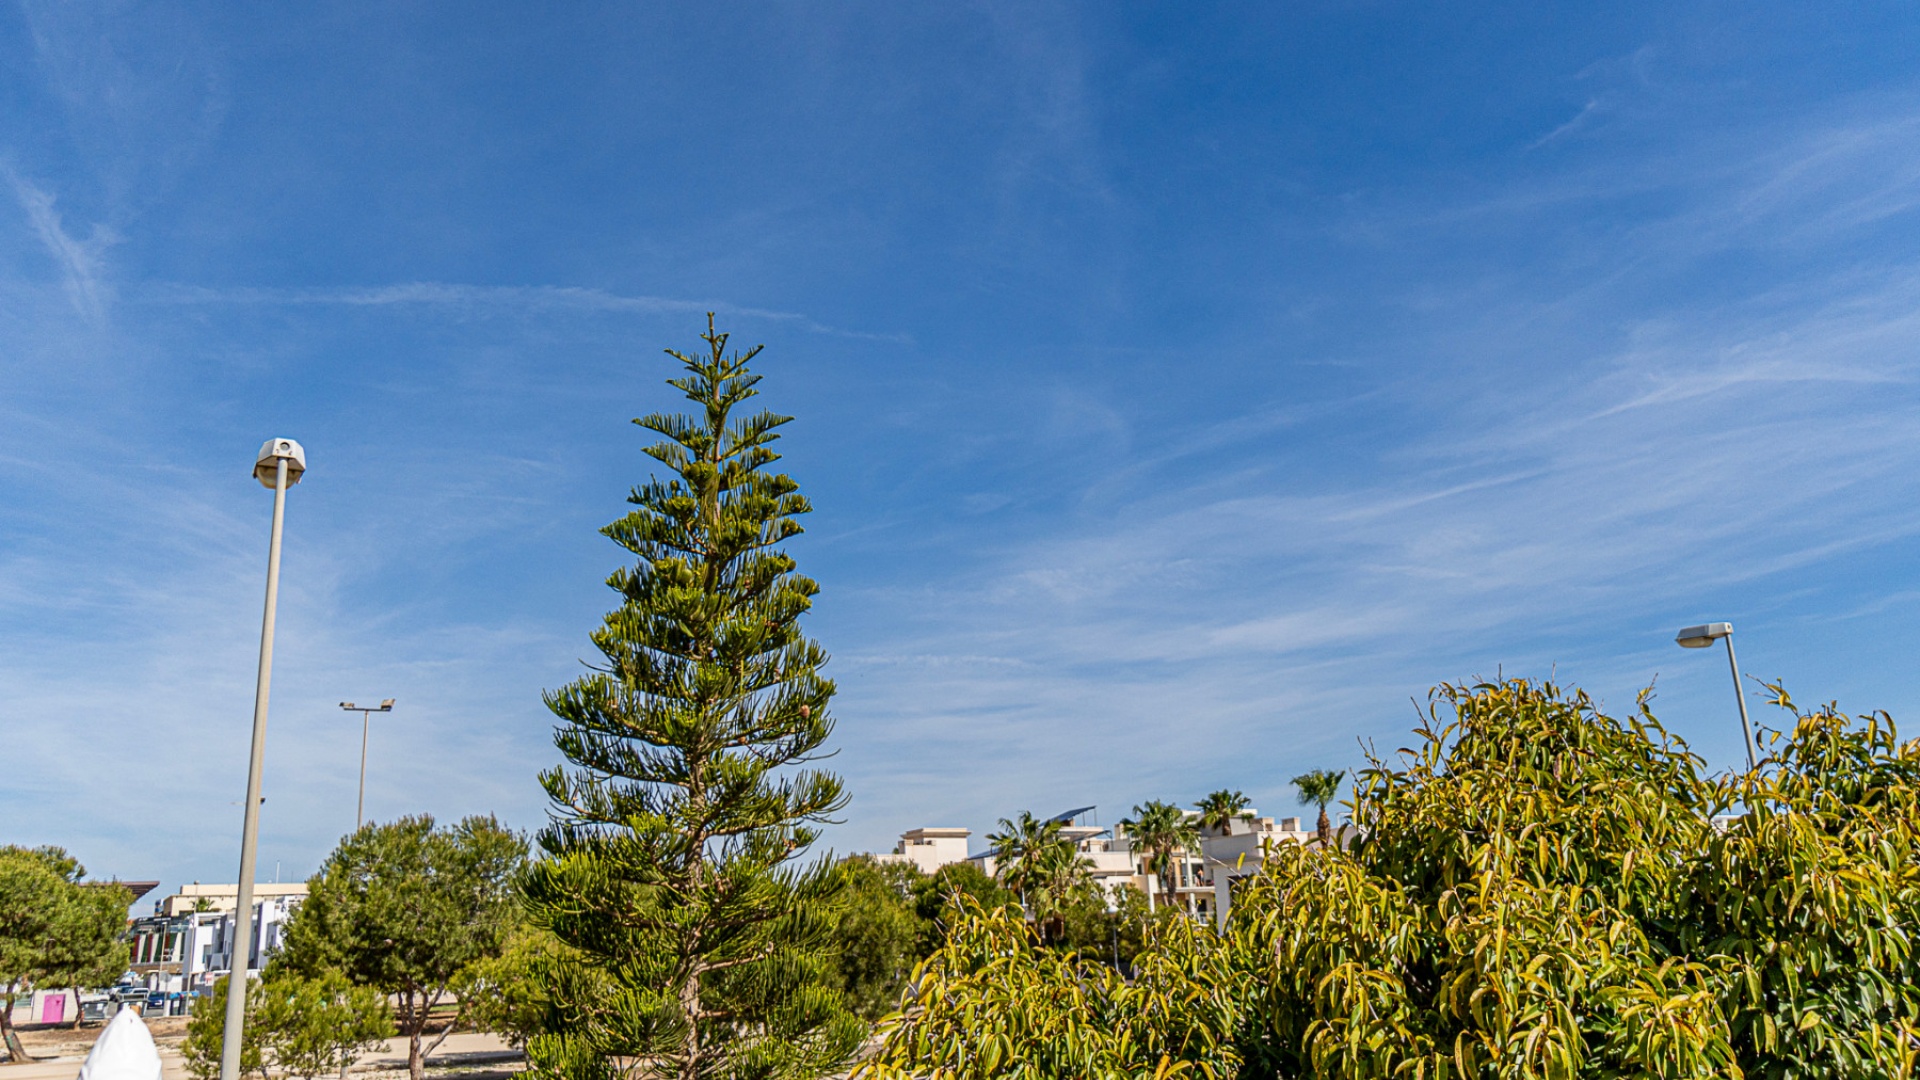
x=1581 y=119
x=1590 y=426
x=483 y=300
x=130 y=661
x=1208 y=622
x=79 y=261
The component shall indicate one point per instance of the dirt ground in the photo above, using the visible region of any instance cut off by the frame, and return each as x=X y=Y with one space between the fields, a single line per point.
x=58 y=1041
x=58 y=1051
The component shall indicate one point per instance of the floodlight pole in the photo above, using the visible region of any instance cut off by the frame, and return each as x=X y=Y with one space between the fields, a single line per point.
x=366 y=712
x=360 y=803
x=282 y=453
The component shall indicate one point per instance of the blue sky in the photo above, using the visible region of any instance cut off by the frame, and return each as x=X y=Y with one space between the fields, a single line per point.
x=1183 y=390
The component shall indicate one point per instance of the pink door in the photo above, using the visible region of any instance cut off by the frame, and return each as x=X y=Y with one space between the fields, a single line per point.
x=53 y=1010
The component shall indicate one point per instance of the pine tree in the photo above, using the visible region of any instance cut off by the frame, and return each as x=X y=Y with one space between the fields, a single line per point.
x=698 y=941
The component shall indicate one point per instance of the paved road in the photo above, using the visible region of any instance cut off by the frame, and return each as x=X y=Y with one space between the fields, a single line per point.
x=482 y=1047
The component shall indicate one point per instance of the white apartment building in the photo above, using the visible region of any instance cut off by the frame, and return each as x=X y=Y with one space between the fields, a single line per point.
x=1201 y=880
x=198 y=897
x=930 y=847
x=182 y=950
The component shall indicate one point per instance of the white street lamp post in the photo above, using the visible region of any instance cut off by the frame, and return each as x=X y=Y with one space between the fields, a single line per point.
x=1699 y=637
x=365 y=711
x=280 y=464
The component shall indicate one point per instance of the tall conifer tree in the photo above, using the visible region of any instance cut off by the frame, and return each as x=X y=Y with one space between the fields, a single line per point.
x=698 y=940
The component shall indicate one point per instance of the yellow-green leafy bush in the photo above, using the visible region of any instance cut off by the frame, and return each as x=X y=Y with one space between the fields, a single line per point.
x=1539 y=890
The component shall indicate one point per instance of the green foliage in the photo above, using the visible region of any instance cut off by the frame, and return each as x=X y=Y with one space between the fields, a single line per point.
x=702 y=945
x=298 y=1026
x=405 y=908
x=320 y=1025
x=29 y=894
x=877 y=939
x=940 y=898
x=207 y=1026
x=57 y=930
x=995 y=1003
x=893 y=916
x=88 y=949
x=1537 y=890
x=512 y=994
x=1110 y=928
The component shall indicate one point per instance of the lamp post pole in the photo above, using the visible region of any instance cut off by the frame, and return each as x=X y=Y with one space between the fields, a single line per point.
x=1746 y=728
x=365 y=711
x=1699 y=637
x=281 y=462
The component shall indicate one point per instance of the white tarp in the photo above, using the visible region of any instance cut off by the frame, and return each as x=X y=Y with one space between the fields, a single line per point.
x=124 y=1051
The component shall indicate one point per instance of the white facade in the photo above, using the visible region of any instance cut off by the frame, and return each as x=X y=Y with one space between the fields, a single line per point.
x=182 y=950
x=1244 y=841
x=1114 y=863
x=224 y=897
x=930 y=848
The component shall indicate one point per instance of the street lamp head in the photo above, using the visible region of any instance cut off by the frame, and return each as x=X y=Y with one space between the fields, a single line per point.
x=265 y=468
x=387 y=705
x=1699 y=637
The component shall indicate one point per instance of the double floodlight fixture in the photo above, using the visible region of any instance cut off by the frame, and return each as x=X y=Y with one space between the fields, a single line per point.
x=365 y=711
x=384 y=706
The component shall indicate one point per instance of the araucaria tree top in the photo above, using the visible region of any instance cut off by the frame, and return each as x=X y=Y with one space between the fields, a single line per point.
x=695 y=937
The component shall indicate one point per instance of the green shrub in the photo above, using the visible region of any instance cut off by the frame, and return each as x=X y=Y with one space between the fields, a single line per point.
x=206 y=1027
x=1539 y=890
x=300 y=1027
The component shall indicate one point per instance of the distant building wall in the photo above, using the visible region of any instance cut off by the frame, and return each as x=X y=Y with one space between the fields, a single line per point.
x=224 y=897
x=187 y=950
x=930 y=848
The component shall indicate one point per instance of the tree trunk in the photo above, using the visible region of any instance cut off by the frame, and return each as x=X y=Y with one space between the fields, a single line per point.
x=15 y=1052
x=416 y=1024
x=453 y=1025
x=1326 y=829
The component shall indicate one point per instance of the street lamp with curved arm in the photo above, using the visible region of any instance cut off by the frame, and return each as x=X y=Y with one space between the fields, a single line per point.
x=1699 y=637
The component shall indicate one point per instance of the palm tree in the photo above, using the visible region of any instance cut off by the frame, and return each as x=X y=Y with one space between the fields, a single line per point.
x=1163 y=829
x=1318 y=788
x=1032 y=858
x=1060 y=875
x=1020 y=850
x=1221 y=809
